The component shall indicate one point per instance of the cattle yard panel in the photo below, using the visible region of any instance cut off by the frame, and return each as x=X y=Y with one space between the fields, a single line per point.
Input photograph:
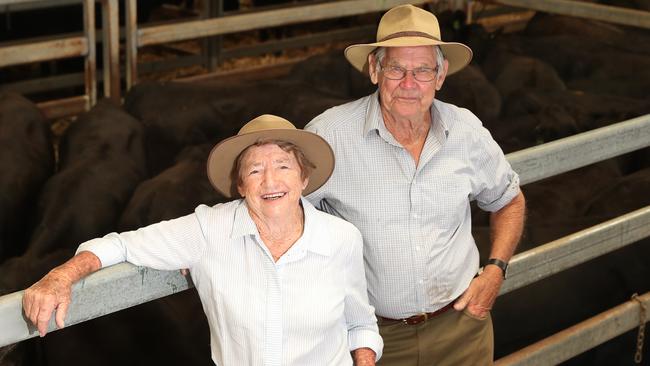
x=112 y=289
x=181 y=31
x=124 y=285
x=569 y=251
x=111 y=53
x=43 y=50
x=555 y=157
x=66 y=47
x=580 y=337
x=610 y=14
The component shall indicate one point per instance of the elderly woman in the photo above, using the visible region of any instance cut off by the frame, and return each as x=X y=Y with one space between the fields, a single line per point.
x=281 y=283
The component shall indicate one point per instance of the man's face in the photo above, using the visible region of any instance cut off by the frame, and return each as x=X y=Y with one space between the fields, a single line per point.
x=407 y=98
x=271 y=181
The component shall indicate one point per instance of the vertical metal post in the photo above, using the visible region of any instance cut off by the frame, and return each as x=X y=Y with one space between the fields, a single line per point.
x=90 y=63
x=131 y=24
x=111 y=43
x=212 y=45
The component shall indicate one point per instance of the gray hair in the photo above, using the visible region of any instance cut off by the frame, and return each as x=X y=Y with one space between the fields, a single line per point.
x=380 y=54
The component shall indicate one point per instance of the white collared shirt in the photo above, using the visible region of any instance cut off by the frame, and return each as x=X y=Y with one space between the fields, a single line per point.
x=308 y=308
x=415 y=221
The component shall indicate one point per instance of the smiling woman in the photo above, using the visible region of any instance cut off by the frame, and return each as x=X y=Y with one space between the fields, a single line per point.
x=281 y=282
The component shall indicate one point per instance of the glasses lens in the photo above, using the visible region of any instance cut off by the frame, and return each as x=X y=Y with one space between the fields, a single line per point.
x=424 y=74
x=398 y=73
x=394 y=72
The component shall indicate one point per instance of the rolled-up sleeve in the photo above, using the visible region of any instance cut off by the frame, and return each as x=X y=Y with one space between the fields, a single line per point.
x=359 y=314
x=166 y=245
x=495 y=183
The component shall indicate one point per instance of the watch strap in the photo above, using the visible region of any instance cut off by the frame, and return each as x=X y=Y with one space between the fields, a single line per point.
x=499 y=263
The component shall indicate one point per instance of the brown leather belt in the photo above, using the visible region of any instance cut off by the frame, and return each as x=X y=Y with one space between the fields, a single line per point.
x=416 y=319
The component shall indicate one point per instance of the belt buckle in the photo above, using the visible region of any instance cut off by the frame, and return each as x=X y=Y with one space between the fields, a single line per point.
x=416 y=319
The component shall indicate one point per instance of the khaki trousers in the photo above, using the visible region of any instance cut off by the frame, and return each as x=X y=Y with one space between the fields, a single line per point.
x=451 y=338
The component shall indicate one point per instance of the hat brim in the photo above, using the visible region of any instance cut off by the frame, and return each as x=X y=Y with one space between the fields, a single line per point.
x=223 y=155
x=457 y=54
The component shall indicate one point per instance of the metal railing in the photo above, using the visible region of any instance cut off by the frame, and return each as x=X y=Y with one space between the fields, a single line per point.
x=181 y=31
x=124 y=285
x=65 y=46
x=53 y=49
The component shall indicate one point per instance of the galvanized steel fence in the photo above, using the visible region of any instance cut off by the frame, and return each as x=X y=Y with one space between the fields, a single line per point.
x=122 y=286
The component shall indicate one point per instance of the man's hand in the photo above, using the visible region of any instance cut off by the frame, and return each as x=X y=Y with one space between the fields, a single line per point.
x=481 y=293
x=364 y=357
x=51 y=293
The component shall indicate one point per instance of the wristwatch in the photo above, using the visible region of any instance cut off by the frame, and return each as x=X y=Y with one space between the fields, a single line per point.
x=499 y=263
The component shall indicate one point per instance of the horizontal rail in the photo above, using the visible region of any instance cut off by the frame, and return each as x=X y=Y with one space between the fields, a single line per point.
x=579 y=150
x=22 y=5
x=65 y=107
x=580 y=9
x=581 y=337
x=112 y=289
x=243 y=22
x=23 y=53
x=554 y=257
x=121 y=286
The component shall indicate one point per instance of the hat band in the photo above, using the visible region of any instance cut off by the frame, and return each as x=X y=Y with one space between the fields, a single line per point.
x=408 y=34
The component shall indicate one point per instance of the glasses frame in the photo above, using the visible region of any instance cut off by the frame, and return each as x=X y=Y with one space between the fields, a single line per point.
x=382 y=69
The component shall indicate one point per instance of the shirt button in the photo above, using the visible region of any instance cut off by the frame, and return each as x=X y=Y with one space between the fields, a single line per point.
x=421 y=282
x=415 y=216
x=417 y=247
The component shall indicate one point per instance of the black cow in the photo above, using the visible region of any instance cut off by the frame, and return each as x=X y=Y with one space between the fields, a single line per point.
x=101 y=162
x=26 y=161
x=174 y=192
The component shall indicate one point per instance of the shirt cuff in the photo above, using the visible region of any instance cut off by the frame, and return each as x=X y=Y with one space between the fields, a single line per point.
x=104 y=249
x=366 y=338
x=508 y=195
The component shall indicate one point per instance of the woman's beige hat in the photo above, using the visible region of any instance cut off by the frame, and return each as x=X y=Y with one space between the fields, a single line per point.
x=267 y=126
x=409 y=26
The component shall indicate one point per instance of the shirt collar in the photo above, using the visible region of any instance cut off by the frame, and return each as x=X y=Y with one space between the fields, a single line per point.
x=244 y=225
x=375 y=120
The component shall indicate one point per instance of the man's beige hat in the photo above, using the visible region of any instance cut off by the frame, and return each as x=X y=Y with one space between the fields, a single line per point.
x=267 y=126
x=408 y=26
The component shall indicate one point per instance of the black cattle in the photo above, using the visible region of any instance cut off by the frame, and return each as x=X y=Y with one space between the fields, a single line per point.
x=176 y=115
x=173 y=193
x=332 y=74
x=26 y=161
x=470 y=89
x=101 y=162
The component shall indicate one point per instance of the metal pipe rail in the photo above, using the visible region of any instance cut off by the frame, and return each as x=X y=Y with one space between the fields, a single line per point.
x=65 y=47
x=125 y=285
x=607 y=13
x=554 y=257
x=581 y=337
x=76 y=46
x=152 y=35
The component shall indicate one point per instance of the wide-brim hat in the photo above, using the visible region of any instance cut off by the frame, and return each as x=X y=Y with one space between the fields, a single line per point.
x=267 y=126
x=409 y=26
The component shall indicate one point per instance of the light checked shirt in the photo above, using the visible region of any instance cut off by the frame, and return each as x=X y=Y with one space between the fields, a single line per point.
x=308 y=308
x=416 y=221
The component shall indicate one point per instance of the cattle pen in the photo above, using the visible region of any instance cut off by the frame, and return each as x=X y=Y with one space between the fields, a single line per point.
x=123 y=286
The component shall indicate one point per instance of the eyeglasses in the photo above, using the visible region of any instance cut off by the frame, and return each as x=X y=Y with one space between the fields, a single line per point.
x=393 y=72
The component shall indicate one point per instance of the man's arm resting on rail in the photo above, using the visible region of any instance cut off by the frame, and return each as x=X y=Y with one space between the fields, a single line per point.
x=506 y=227
x=53 y=291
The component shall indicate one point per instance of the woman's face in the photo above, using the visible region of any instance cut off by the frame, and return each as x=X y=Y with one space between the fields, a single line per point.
x=271 y=181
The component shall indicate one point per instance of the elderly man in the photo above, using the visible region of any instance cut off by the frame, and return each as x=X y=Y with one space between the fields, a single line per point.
x=408 y=167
